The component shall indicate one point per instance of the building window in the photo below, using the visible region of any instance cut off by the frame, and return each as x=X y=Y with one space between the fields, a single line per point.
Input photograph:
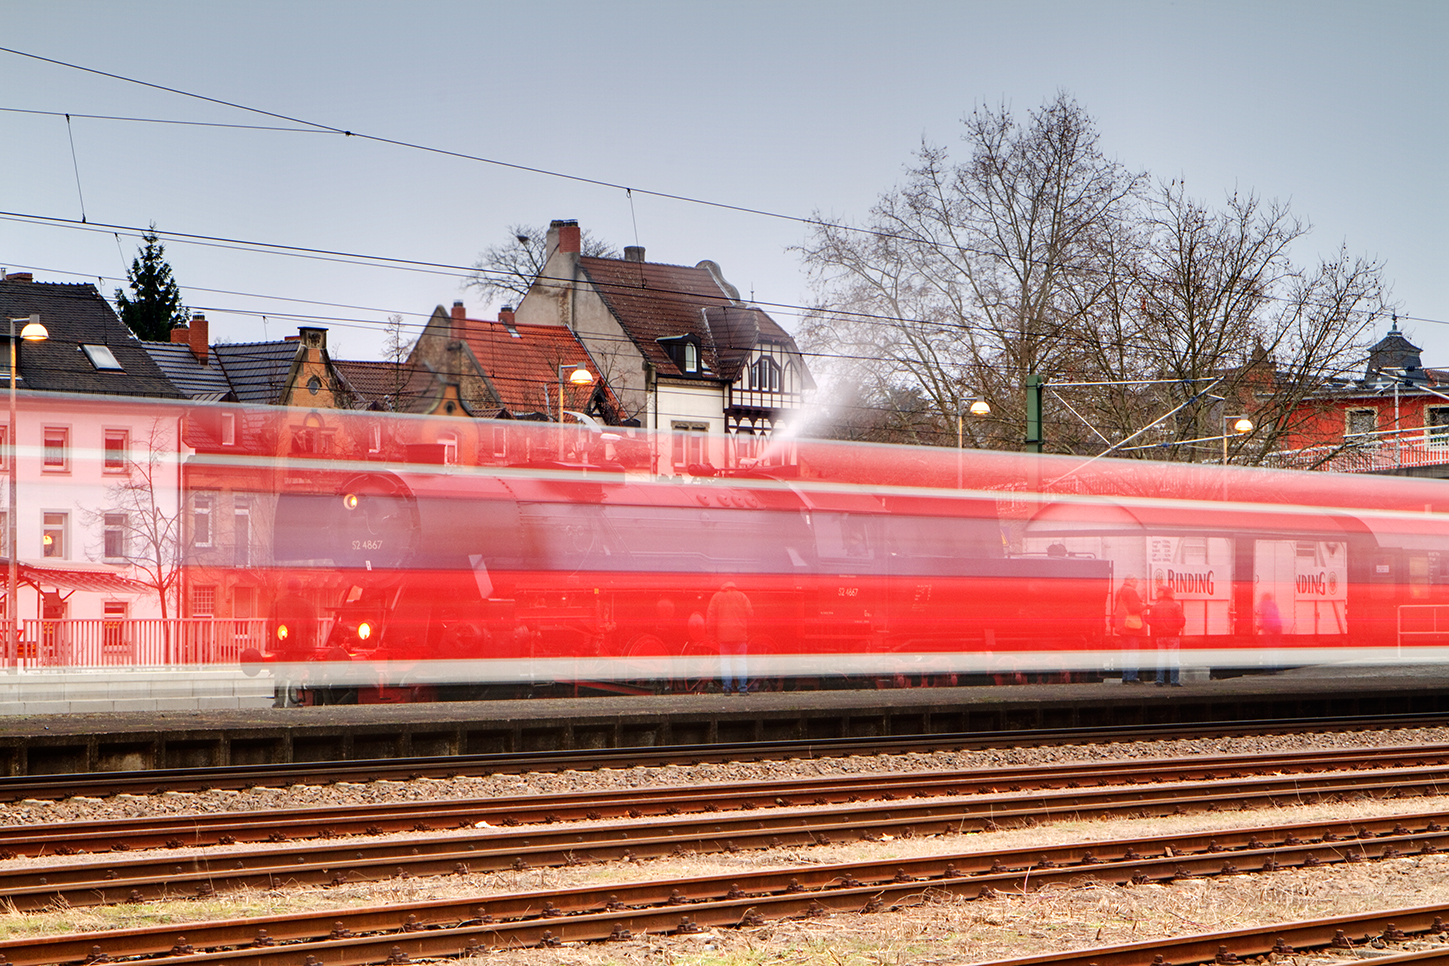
x=1362 y=422
x=113 y=625
x=689 y=444
x=203 y=600
x=201 y=521
x=4 y=447
x=228 y=429
x=115 y=536
x=691 y=357
x=1436 y=418
x=118 y=450
x=241 y=531
x=53 y=535
x=57 y=450
x=449 y=442
x=765 y=376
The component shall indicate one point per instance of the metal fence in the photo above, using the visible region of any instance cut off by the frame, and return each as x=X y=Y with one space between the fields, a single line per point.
x=136 y=643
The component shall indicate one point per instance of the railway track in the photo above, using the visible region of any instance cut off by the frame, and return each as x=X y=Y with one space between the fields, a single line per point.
x=456 y=926
x=51 y=786
x=205 y=829
x=117 y=876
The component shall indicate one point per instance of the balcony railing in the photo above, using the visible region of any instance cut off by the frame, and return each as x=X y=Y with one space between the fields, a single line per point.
x=89 y=643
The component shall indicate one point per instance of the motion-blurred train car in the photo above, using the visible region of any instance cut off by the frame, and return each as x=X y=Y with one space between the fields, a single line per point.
x=863 y=564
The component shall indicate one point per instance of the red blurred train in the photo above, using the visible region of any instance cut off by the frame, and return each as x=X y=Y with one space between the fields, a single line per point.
x=862 y=564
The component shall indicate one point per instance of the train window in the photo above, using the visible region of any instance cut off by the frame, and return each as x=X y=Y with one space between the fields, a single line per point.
x=841 y=535
x=1194 y=550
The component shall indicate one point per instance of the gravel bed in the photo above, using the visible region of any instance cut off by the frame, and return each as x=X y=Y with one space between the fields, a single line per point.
x=32 y=811
x=936 y=929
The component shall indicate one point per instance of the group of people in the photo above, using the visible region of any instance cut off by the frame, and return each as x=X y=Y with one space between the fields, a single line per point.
x=1162 y=621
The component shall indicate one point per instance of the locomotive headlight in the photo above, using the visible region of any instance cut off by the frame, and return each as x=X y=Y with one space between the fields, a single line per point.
x=364 y=631
x=281 y=632
x=350 y=501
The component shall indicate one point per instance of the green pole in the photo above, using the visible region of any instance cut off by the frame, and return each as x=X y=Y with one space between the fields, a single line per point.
x=1034 y=386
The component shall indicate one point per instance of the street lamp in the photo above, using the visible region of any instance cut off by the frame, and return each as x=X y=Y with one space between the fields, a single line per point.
x=579 y=377
x=1241 y=426
x=33 y=332
x=979 y=408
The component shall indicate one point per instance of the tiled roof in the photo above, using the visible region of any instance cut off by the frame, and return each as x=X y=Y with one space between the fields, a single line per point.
x=385 y=385
x=196 y=381
x=654 y=301
x=257 y=371
x=524 y=368
x=77 y=315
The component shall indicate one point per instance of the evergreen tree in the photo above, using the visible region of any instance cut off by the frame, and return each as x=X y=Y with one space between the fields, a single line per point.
x=156 y=306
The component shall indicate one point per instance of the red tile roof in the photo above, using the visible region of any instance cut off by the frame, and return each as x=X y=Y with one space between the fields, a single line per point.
x=524 y=367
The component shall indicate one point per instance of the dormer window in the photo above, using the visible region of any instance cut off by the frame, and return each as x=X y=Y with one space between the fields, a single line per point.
x=684 y=352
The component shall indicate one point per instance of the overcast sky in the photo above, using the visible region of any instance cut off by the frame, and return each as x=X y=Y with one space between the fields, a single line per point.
x=790 y=108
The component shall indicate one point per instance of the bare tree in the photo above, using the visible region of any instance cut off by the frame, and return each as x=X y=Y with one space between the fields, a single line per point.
x=507 y=271
x=396 y=348
x=1238 y=327
x=141 y=526
x=969 y=277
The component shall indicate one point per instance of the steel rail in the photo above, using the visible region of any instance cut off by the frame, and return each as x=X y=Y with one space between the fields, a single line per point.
x=668 y=905
x=203 y=829
x=1351 y=935
x=15 y=787
x=115 y=879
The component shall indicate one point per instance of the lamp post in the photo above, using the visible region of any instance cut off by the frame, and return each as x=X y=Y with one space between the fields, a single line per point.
x=979 y=408
x=1241 y=426
x=33 y=332
x=579 y=377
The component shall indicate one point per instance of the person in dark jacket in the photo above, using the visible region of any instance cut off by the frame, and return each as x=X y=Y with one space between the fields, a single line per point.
x=1166 y=619
x=1129 y=627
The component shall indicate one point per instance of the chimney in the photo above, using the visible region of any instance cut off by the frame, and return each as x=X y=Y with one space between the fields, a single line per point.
x=633 y=253
x=460 y=321
x=505 y=315
x=563 y=235
x=200 y=337
x=28 y=277
x=181 y=334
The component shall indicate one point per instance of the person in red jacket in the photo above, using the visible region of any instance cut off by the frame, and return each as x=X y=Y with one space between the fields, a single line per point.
x=1166 y=619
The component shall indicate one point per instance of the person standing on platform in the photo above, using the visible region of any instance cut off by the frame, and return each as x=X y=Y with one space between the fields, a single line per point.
x=728 y=620
x=1128 y=625
x=1167 y=621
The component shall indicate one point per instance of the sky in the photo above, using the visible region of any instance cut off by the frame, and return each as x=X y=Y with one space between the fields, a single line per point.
x=787 y=108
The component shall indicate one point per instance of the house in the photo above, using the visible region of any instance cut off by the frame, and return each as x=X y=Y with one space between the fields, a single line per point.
x=1395 y=419
x=98 y=431
x=678 y=348
x=290 y=392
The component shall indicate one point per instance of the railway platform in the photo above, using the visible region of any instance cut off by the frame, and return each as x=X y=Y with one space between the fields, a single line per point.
x=82 y=741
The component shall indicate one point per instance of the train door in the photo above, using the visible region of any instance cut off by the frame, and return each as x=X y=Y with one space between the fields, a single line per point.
x=849 y=598
x=1306 y=582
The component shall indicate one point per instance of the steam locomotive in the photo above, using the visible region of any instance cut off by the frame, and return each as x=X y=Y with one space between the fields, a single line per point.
x=862 y=564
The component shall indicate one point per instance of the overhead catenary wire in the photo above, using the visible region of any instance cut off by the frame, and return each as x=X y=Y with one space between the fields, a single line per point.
x=454 y=270
x=322 y=127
